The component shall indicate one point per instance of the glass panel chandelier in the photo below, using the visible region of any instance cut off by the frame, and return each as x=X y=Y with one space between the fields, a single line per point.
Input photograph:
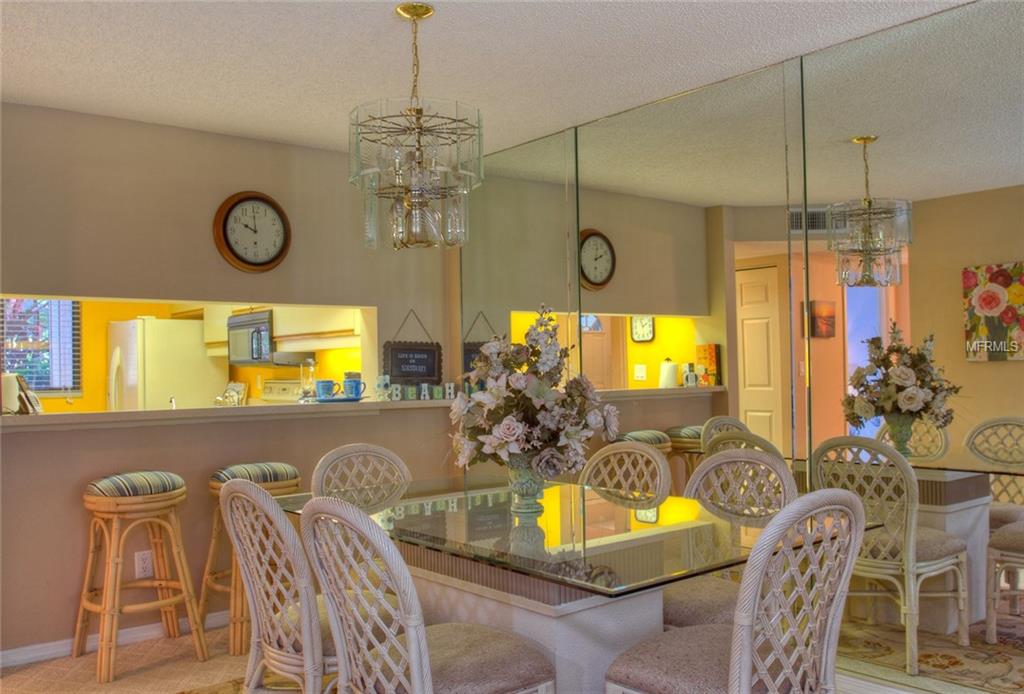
x=868 y=235
x=416 y=159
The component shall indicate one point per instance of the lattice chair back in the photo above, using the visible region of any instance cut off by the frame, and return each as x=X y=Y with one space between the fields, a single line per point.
x=743 y=486
x=886 y=485
x=716 y=425
x=371 y=477
x=927 y=441
x=790 y=604
x=998 y=440
x=729 y=440
x=278 y=584
x=384 y=638
x=630 y=474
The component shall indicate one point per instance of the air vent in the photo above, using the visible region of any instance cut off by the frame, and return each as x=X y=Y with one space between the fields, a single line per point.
x=816 y=220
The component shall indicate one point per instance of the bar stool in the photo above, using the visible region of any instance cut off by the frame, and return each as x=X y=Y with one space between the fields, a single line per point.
x=119 y=504
x=686 y=446
x=277 y=479
x=652 y=437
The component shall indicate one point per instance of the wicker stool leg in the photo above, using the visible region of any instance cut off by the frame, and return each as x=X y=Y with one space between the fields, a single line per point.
x=912 y=618
x=992 y=579
x=82 y=622
x=238 y=632
x=1013 y=580
x=963 y=609
x=107 y=647
x=210 y=569
x=169 y=614
x=181 y=564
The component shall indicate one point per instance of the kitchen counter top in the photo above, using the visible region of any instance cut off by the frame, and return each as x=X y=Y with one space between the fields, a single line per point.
x=19 y=424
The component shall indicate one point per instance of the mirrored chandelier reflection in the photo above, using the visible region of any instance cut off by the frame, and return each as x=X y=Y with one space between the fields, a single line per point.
x=416 y=160
x=868 y=235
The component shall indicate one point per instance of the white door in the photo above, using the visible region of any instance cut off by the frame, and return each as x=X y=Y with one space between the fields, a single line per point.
x=761 y=392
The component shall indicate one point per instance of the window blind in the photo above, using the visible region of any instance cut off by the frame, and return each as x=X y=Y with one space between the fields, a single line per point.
x=42 y=341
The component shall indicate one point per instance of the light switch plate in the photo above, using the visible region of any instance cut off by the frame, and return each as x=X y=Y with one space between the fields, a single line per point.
x=640 y=372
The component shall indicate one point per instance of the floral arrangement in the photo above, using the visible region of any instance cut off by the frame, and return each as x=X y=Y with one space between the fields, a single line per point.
x=993 y=302
x=899 y=380
x=522 y=411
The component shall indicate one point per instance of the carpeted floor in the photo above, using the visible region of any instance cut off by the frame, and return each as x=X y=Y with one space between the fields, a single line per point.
x=989 y=668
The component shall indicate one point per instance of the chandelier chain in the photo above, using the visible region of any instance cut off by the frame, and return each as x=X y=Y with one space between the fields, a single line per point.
x=867 y=186
x=415 y=96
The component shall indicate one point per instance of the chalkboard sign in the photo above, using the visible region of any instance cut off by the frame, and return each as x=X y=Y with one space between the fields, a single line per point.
x=409 y=363
x=470 y=351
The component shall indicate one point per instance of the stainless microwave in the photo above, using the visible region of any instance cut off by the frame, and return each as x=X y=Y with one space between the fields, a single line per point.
x=251 y=338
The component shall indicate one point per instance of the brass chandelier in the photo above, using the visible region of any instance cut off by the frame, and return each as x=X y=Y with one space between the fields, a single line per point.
x=416 y=160
x=868 y=235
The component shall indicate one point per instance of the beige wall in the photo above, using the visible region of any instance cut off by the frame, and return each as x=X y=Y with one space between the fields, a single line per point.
x=43 y=525
x=949 y=234
x=104 y=207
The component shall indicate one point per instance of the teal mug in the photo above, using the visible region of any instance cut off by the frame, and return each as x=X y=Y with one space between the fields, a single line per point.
x=353 y=388
x=327 y=388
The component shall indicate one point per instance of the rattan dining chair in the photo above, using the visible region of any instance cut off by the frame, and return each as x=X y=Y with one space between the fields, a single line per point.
x=387 y=646
x=628 y=473
x=1005 y=556
x=371 y=477
x=927 y=441
x=728 y=440
x=290 y=634
x=716 y=425
x=1000 y=442
x=900 y=554
x=785 y=629
x=746 y=488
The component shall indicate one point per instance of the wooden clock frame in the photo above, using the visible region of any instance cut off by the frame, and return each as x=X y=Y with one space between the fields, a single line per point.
x=220 y=233
x=584 y=282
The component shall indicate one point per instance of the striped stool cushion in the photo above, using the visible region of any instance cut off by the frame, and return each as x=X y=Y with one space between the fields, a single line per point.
x=684 y=432
x=142 y=483
x=652 y=437
x=260 y=473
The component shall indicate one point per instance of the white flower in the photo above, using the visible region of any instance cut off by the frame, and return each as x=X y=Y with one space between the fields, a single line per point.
x=574 y=437
x=863 y=408
x=911 y=399
x=494 y=348
x=518 y=381
x=902 y=375
x=595 y=420
x=510 y=429
x=540 y=393
x=494 y=445
x=611 y=422
x=460 y=406
x=465 y=450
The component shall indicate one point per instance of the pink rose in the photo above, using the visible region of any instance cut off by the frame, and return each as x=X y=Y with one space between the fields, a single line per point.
x=989 y=300
x=518 y=381
x=1008 y=315
x=1002 y=277
x=509 y=430
x=970 y=278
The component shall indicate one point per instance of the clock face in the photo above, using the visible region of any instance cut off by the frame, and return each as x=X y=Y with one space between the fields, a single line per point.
x=255 y=232
x=642 y=328
x=597 y=259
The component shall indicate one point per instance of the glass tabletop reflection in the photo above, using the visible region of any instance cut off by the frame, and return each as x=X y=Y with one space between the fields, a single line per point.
x=580 y=539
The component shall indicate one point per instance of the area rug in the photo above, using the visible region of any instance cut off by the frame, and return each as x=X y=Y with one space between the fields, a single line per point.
x=990 y=668
x=235 y=686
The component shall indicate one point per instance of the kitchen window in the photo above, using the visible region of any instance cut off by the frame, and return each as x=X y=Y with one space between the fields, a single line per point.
x=42 y=342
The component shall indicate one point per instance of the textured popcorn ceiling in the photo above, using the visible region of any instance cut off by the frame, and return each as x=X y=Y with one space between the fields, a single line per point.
x=291 y=71
x=945 y=95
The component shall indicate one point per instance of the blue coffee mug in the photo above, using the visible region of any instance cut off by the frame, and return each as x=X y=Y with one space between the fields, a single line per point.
x=327 y=389
x=353 y=388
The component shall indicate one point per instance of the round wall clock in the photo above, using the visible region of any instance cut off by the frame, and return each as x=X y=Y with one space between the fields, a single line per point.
x=252 y=232
x=597 y=260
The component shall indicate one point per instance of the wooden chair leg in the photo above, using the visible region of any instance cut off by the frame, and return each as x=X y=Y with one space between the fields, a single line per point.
x=962 y=606
x=912 y=618
x=107 y=648
x=992 y=603
x=1013 y=580
x=169 y=614
x=191 y=607
x=210 y=568
x=238 y=630
x=82 y=621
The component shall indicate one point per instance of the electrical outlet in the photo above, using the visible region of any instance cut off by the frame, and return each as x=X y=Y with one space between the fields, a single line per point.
x=640 y=372
x=144 y=564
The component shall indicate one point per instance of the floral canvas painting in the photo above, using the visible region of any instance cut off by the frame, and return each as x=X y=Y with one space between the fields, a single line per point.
x=994 y=311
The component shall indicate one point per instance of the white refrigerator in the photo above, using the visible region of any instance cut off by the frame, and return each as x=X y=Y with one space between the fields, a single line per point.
x=152 y=360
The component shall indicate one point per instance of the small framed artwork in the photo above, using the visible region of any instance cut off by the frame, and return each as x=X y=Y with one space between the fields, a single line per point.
x=646 y=515
x=412 y=363
x=822 y=318
x=993 y=305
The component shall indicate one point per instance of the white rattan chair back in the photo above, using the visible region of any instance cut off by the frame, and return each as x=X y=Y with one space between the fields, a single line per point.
x=371 y=477
x=716 y=425
x=278 y=584
x=927 y=441
x=384 y=640
x=998 y=440
x=630 y=474
x=742 y=486
x=729 y=440
x=886 y=485
x=790 y=604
